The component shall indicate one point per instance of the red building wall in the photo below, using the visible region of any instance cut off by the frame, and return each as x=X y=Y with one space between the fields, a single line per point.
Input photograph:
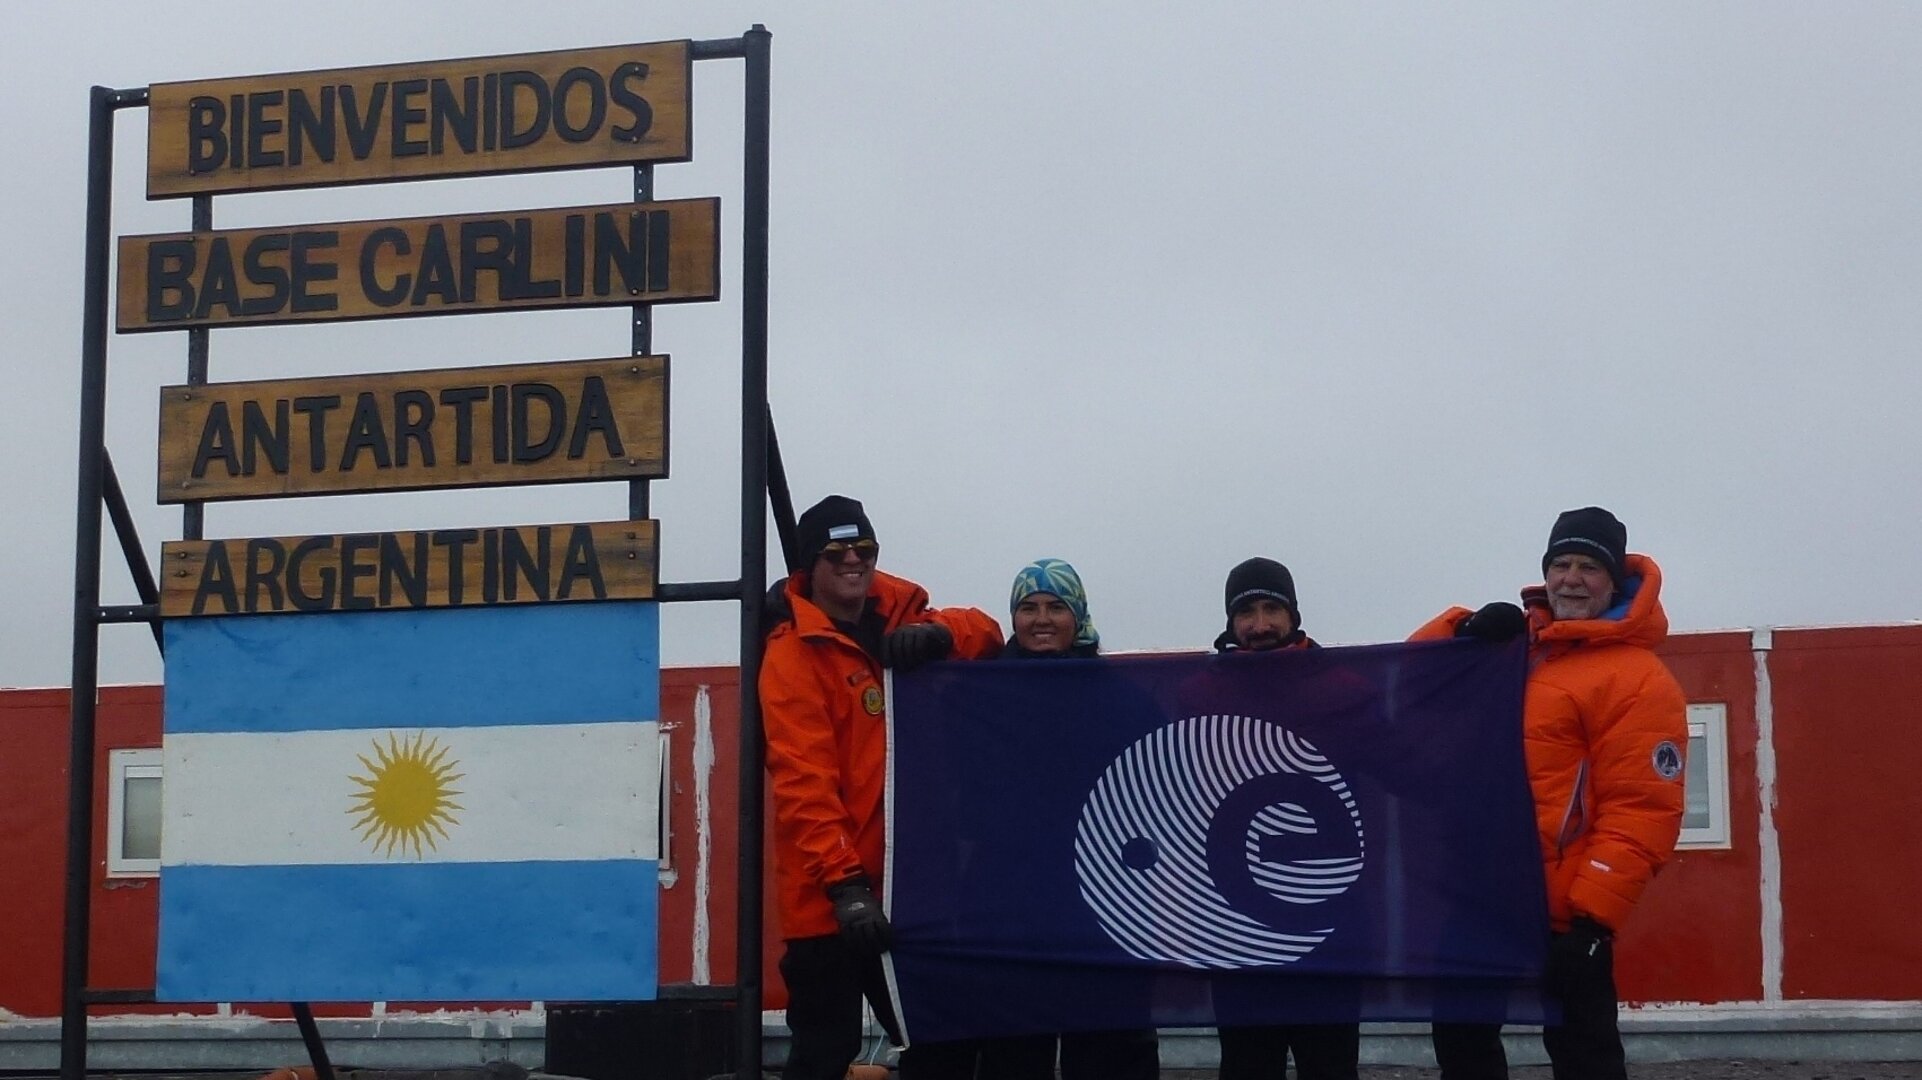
x=1694 y=935
x=33 y=731
x=1848 y=743
x=685 y=694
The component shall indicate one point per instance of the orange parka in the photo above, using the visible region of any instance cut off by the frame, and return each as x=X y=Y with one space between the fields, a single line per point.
x=824 y=713
x=1606 y=729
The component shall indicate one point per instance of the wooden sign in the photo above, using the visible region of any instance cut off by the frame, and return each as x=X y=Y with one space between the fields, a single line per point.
x=524 y=564
x=470 y=427
x=553 y=110
x=584 y=256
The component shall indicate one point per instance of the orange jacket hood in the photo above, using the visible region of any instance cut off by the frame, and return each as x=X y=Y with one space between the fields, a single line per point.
x=1645 y=623
x=894 y=599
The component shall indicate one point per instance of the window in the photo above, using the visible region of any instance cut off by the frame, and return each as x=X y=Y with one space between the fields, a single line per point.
x=133 y=813
x=1705 y=820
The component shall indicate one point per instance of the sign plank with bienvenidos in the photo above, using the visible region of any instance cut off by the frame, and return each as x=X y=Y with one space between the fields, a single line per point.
x=535 y=111
x=573 y=420
x=583 y=256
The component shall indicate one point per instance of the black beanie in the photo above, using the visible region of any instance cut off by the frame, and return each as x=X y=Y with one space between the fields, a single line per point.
x=836 y=517
x=1590 y=531
x=1261 y=577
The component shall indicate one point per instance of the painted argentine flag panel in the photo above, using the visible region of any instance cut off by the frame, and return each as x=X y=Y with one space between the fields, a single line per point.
x=281 y=799
x=436 y=805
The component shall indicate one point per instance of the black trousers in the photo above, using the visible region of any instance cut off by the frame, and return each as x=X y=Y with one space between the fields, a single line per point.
x=1089 y=1055
x=1586 y=1045
x=952 y=1060
x=826 y=982
x=1322 y=1051
x=1470 y=1051
x=1110 y=1055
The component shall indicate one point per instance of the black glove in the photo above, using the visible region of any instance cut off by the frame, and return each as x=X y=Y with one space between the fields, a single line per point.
x=916 y=644
x=863 y=925
x=1577 y=957
x=1499 y=621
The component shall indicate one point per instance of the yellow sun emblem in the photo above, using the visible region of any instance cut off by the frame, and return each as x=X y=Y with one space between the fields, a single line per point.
x=405 y=798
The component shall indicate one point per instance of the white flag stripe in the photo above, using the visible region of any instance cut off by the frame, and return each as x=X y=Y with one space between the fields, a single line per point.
x=549 y=792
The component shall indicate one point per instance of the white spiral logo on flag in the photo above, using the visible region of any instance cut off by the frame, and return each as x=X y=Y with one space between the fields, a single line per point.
x=1208 y=809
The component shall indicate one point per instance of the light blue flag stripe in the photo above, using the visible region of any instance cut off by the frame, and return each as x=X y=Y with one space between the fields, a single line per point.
x=461 y=667
x=422 y=932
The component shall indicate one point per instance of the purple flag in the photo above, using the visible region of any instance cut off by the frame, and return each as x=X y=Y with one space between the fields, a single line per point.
x=1304 y=836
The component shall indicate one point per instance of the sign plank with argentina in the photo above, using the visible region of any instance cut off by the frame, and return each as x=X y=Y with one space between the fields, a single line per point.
x=573 y=420
x=536 y=111
x=582 y=256
x=443 y=568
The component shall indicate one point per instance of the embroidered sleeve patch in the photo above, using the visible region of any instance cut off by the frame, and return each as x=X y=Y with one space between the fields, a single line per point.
x=1667 y=760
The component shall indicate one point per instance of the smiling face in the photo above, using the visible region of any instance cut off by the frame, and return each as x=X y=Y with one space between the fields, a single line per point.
x=1043 y=624
x=1261 y=623
x=1578 y=587
x=841 y=576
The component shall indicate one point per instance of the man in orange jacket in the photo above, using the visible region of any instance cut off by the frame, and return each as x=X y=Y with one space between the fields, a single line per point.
x=823 y=710
x=1263 y=615
x=1605 y=726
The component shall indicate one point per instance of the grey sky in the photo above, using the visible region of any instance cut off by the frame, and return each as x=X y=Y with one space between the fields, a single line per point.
x=1375 y=291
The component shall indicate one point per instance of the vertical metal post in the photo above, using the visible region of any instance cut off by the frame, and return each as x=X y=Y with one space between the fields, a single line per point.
x=86 y=588
x=637 y=492
x=193 y=515
x=754 y=461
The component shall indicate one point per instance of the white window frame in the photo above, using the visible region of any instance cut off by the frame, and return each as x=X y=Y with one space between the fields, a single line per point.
x=1709 y=722
x=124 y=765
x=664 y=825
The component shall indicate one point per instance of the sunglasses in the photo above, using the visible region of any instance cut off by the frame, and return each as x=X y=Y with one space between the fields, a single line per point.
x=864 y=550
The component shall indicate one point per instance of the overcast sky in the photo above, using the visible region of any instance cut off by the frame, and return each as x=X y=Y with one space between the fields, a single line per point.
x=1376 y=291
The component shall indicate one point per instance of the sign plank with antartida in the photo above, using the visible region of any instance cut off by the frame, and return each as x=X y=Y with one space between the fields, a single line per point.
x=583 y=256
x=525 y=564
x=552 y=110
x=554 y=422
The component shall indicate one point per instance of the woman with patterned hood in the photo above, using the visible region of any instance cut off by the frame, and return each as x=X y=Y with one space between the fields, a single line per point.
x=1049 y=610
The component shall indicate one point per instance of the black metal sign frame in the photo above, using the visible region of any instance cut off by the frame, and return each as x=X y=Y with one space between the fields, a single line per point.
x=762 y=479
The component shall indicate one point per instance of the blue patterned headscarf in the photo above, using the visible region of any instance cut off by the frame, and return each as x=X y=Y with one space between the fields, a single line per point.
x=1056 y=578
